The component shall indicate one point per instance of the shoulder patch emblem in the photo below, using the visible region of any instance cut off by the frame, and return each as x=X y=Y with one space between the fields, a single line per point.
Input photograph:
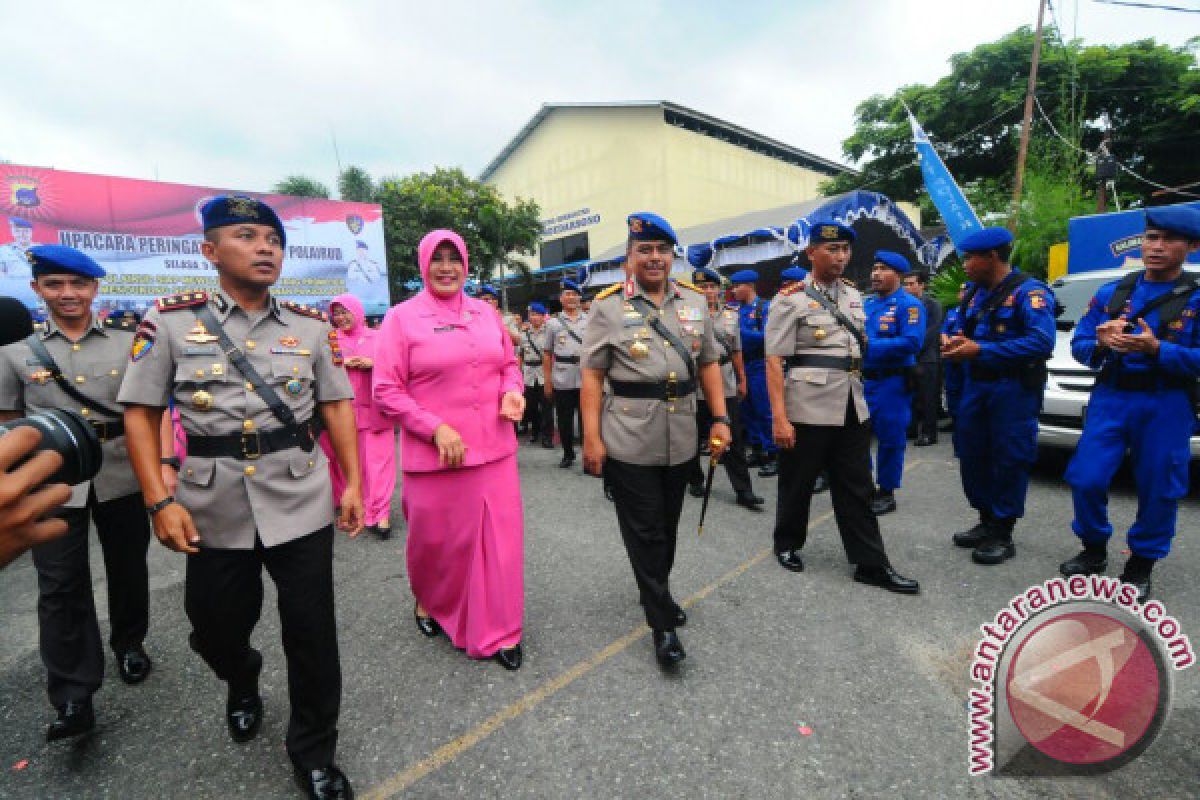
x=304 y=311
x=175 y=302
x=610 y=291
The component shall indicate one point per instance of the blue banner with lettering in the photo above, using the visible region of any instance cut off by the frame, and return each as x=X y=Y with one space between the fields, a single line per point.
x=956 y=212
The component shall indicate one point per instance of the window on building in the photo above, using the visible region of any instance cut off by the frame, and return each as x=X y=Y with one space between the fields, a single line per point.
x=565 y=250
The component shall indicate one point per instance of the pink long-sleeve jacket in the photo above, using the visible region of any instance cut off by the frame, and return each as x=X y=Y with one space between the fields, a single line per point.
x=446 y=362
x=360 y=341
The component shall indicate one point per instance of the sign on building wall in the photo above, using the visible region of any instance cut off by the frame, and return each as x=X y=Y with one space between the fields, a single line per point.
x=147 y=237
x=570 y=221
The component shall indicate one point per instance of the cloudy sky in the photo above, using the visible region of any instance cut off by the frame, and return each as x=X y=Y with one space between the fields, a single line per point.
x=238 y=93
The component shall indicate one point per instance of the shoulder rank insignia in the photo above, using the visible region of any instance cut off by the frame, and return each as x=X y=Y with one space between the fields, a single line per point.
x=610 y=291
x=177 y=301
x=849 y=283
x=120 y=323
x=791 y=289
x=687 y=285
x=304 y=311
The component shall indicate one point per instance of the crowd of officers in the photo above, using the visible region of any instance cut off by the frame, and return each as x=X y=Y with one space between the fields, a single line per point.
x=660 y=372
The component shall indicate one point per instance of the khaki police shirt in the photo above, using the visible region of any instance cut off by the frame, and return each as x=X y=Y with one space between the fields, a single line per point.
x=649 y=432
x=799 y=325
x=94 y=365
x=530 y=352
x=559 y=342
x=280 y=496
x=729 y=341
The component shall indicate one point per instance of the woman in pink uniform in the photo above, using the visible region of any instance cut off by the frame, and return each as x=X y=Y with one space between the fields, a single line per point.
x=376 y=434
x=445 y=372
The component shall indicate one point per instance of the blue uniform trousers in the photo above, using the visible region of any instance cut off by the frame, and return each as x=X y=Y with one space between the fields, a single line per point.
x=756 y=407
x=890 y=404
x=995 y=436
x=1155 y=428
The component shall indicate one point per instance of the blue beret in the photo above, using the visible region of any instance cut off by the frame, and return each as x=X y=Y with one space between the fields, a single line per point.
x=1182 y=220
x=537 y=308
x=794 y=274
x=744 y=276
x=706 y=275
x=893 y=260
x=985 y=239
x=645 y=226
x=487 y=288
x=570 y=286
x=829 y=229
x=238 y=209
x=17 y=222
x=55 y=259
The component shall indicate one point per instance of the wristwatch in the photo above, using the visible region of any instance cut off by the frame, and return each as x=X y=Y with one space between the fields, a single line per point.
x=160 y=505
x=172 y=462
x=724 y=420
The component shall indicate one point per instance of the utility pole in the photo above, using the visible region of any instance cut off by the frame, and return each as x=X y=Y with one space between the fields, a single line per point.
x=1027 y=123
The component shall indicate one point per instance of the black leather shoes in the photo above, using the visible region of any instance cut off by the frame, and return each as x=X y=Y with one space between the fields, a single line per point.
x=926 y=441
x=428 y=626
x=668 y=649
x=243 y=715
x=821 y=484
x=608 y=495
x=327 y=783
x=1090 y=561
x=547 y=443
x=566 y=462
x=750 y=500
x=1143 y=588
x=994 y=551
x=883 y=503
x=886 y=578
x=696 y=490
x=511 y=658
x=134 y=665
x=770 y=469
x=384 y=532
x=75 y=717
x=680 y=618
x=972 y=537
x=790 y=560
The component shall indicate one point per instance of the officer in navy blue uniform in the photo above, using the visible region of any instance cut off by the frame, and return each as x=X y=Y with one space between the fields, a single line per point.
x=952 y=372
x=895 y=332
x=791 y=276
x=1142 y=333
x=1003 y=337
x=756 y=405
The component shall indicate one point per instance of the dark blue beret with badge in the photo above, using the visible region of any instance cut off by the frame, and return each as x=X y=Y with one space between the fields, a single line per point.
x=893 y=260
x=238 y=209
x=985 y=239
x=537 y=308
x=1175 y=219
x=830 y=230
x=57 y=259
x=794 y=274
x=706 y=275
x=645 y=226
x=744 y=276
x=487 y=288
x=571 y=286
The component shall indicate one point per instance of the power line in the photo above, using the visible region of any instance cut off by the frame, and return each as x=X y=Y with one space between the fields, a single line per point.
x=1148 y=5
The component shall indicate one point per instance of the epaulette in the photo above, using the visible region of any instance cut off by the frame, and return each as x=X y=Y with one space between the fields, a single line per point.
x=849 y=283
x=792 y=288
x=616 y=287
x=122 y=323
x=174 y=302
x=40 y=327
x=304 y=311
x=687 y=285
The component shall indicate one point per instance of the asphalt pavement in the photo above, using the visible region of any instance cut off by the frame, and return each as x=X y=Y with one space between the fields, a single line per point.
x=795 y=685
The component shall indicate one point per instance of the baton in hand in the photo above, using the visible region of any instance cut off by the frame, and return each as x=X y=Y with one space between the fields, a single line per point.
x=715 y=446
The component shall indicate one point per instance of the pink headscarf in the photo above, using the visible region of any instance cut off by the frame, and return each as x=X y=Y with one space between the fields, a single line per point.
x=425 y=251
x=352 y=340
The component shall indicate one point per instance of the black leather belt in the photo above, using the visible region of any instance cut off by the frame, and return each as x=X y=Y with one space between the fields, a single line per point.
x=844 y=363
x=567 y=359
x=533 y=363
x=106 y=431
x=990 y=374
x=883 y=372
x=249 y=445
x=1144 y=381
x=659 y=390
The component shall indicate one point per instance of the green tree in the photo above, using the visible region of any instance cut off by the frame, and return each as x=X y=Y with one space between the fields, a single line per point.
x=494 y=230
x=355 y=185
x=301 y=186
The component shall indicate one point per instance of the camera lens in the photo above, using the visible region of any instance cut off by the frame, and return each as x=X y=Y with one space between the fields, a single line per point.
x=69 y=435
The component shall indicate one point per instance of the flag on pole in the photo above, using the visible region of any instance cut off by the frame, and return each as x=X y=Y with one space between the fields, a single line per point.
x=957 y=213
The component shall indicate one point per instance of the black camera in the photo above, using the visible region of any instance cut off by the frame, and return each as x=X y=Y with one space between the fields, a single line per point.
x=69 y=435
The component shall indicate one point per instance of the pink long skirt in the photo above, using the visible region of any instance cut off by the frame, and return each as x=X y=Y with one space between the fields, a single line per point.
x=377 y=463
x=466 y=560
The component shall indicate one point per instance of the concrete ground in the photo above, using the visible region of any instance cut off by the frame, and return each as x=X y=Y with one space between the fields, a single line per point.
x=877 y=682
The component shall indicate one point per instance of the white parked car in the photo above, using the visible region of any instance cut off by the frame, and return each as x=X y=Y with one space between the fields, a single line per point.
x=1069 y=386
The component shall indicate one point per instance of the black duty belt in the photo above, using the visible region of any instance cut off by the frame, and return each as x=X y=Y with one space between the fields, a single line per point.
x=659 y=390
x=990 y=374
x=534 y=363
x=723 y=360
x=106 y=431
x=249 y=445
x=844 y=363
x=1144 y=381
x=567 y=359
x=883 y=372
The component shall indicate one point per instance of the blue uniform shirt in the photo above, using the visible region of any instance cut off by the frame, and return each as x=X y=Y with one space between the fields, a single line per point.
x=1179 y=348
x=1020 y=329
x=752 y=320
x=895 y=330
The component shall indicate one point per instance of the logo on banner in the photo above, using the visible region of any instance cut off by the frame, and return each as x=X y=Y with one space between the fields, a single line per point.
x=355 y=223
x=23 y=192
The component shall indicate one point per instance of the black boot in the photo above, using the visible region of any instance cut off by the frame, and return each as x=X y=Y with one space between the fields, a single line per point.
x=755 y=459
x=1137 y=573
x=75 y=717
x=975 y=535
x=821 y=484
x=999 y=546
x=668 y=649
x=883 y=502
x=1092 y=560
x=770 y=467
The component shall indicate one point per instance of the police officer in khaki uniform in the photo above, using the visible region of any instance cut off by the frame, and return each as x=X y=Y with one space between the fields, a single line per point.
x=252 y=378
x=563 y=344
x=652 y=338
x=538 y=412
x=815 y=343
x=76 y=362
x=727 y=332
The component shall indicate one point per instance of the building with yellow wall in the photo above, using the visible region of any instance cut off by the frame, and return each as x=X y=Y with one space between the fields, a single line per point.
x=588 y=165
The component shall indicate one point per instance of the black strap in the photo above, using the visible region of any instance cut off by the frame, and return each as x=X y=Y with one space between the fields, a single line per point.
x=884 y=372
x=651 y=317
x=1172 y=302
x=242 y=364
x=1121 y=294
x=842 y=319
x=1012 y=281
x=536 y=349
x=658 y=390
x=570 y=331
x=566 y=359
x=47 y=361
x=844 y=363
